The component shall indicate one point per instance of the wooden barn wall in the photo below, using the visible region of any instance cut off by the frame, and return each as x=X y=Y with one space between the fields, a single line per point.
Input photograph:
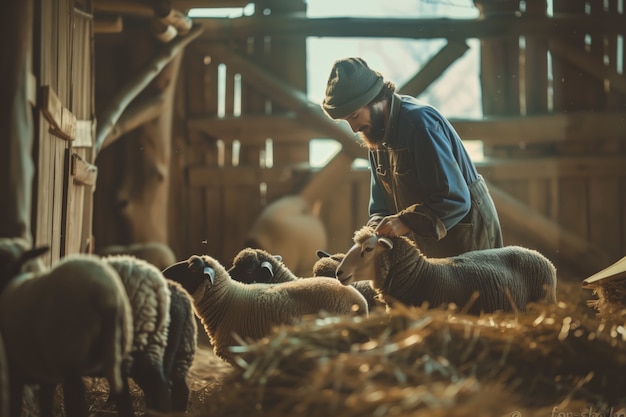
x=62 y=67
x=578 y=184
x=230 y=179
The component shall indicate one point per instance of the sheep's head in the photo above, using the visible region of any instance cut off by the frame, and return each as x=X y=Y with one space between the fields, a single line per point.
x=194 y=272
x=15 y=257
x=254 y=265
x=326 y=265
x=359 y=263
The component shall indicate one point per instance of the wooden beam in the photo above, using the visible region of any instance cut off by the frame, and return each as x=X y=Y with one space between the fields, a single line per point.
x=545 y=168
x=62 y=121
x=439 y=28
x=577 y=126
x=126 y=7
x=83 y=172
x=255 y=128
x=434 y=68
x=589 y=64
x=135 y=115
x=513 y=131
x=204 y=176
x=108 y=24
x=110 y=116
x=193 y=4
x=548 y=235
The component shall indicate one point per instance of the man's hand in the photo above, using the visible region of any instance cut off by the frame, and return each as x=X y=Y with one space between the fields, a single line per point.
x=391 y=226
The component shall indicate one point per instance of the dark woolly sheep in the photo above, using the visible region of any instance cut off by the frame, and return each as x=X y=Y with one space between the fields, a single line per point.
x=230 y=309
x=505 y=279
x=181 y=344
x=61 y=324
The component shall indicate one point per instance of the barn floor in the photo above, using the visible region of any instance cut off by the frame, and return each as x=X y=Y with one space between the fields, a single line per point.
x=558 y=361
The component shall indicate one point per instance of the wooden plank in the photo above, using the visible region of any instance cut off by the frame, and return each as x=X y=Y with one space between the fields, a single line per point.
x=62 y=121
x=566 y=167
x=82 y=172
x=556 y=240
x=204 y=176
x=84 y=134
x=433 y=69
x=589 y=64
x=604 y=215
x=254 y=129
x=501 y=26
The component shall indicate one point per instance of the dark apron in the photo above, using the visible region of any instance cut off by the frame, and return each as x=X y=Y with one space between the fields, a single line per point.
x=479 y=229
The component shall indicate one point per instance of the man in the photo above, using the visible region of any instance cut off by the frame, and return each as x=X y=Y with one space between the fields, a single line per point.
x=423 y=182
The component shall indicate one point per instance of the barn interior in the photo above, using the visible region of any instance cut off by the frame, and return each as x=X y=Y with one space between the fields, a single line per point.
x=139 y=121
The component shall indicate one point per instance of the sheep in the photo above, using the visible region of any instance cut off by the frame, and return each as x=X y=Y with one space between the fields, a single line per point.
x=60 y=324
x=149 y=297
x=181 y=344
x=4 y=381
x=289 y=226
x=259 y=266
x=157 y=253
x=326 y=266
x=505 y=278
x=231 y=311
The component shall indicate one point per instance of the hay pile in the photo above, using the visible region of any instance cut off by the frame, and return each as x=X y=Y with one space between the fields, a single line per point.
x=430 y=362
x=557 y=361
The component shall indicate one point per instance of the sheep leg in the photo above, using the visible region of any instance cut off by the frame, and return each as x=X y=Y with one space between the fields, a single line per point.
x=180 y=393
x=151 y=378
x=46 y=399
x=122 y=400
x=74 y=397
x=16 y=392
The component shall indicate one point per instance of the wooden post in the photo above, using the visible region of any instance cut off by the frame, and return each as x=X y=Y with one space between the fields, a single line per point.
x=16 y=164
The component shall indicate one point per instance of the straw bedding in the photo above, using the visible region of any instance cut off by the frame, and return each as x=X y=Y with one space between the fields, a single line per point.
x=549 y=361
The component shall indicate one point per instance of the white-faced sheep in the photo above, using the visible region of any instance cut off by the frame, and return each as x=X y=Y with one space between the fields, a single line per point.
x=228 y=308
x=69 y=321
x=149 y=297
x=259 y=266
x=326 y=266
x=157 y=253
x=505 y=279
x=290 y=227
x=181 y=344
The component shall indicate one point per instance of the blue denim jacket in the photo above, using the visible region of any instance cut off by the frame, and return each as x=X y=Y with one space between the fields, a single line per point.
x=422 y=171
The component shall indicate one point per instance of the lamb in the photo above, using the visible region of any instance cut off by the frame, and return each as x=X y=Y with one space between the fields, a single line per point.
x=231 y=311
x=506 y=279
x=181 y=344
x=259 y=266
x=326 y=266
x=68 y=321
x=157 y=253
x=149 y=297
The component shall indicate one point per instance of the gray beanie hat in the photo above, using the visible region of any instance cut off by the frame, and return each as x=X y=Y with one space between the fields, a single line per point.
x=352 y=84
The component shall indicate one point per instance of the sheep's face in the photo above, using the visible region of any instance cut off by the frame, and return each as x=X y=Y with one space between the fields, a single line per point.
x=359 y=264
x=253 y=265
x=192 y=273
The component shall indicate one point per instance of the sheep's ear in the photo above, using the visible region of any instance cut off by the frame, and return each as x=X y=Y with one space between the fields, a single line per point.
x=175 y=271
x=267 y=265
x=210 y=272
x=278 y=258
x=385 y=242
x=32 y=254
x=322 y=254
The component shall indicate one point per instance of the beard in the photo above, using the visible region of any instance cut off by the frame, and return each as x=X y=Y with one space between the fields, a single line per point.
x=374 y=135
